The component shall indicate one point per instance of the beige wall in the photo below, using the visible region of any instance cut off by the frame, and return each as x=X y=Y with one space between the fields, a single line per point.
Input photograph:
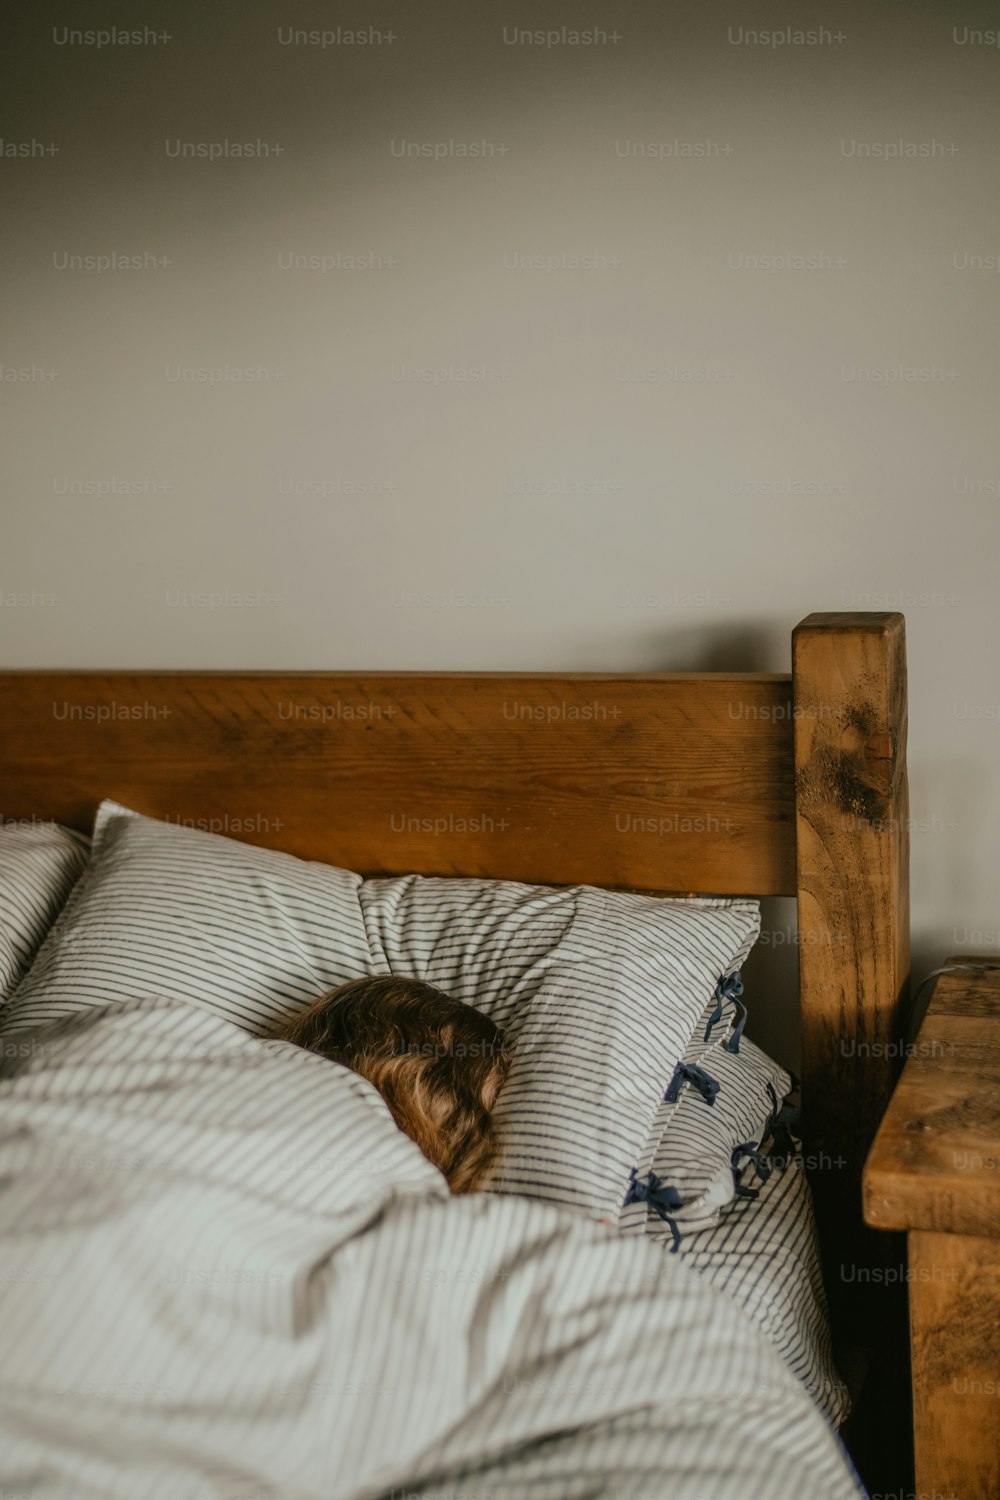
x=660 y=459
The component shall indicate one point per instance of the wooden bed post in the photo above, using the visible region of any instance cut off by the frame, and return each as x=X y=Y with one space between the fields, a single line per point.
x=852 y=844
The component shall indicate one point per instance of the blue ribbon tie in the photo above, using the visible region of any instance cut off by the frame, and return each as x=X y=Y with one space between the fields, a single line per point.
x=729 y=987
x=733 y=1045
x=783 y=1129
x=698 y=1079
x=749 y=1151
x=663 y=1200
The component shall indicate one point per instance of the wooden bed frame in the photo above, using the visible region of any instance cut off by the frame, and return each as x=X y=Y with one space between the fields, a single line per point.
x=735 y=784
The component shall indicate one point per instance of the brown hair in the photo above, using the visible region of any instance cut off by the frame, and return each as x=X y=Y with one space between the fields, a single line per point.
x=437 y=1062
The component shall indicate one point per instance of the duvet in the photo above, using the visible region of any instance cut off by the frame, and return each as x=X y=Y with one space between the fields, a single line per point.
x=226 y=1275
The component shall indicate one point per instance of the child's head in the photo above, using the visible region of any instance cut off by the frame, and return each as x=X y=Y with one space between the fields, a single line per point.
x=437 y=1062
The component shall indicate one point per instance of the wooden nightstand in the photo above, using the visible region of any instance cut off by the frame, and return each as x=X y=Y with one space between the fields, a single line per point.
x=934 y=1170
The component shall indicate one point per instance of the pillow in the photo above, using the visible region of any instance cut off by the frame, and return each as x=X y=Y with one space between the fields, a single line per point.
x=165 y=909
x=598 y=991
x=39 y=865
x=706 y=1145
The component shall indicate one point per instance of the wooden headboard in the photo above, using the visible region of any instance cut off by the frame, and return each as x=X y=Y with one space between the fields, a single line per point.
x=713 y=783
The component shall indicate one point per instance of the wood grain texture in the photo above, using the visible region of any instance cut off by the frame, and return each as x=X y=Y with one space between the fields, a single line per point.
x=954 y=1283
x=935 y=1163
x=852 y=832
x=674 y=784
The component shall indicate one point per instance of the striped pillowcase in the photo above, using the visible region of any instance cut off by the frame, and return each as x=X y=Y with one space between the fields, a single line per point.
x=709 y=1132
x=39 y=865
x=599 y=992
x=164 y=909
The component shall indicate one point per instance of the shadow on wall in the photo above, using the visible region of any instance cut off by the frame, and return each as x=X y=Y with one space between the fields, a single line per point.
x=710 y=646
x=724 y=647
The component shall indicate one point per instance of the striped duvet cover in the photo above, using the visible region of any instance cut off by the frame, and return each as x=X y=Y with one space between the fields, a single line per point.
x=226 y=1275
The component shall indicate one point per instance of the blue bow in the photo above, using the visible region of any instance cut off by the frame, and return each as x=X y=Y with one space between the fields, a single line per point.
x=749 y=1151
x=660 y=1198
x=782 y=1128
x=697 y=1078
x=733 y=1045
x=729 y=987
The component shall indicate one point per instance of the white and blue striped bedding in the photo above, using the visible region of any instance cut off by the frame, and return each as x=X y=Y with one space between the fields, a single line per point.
x=39 y=865
x=598 y=990
x=229 y=1275
x=164 y=909
x=764 y=1253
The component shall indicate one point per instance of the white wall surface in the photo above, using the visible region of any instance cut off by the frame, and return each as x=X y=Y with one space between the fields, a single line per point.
x=644 y=449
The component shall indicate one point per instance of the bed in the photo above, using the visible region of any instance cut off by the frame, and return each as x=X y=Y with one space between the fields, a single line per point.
x=673 y=785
